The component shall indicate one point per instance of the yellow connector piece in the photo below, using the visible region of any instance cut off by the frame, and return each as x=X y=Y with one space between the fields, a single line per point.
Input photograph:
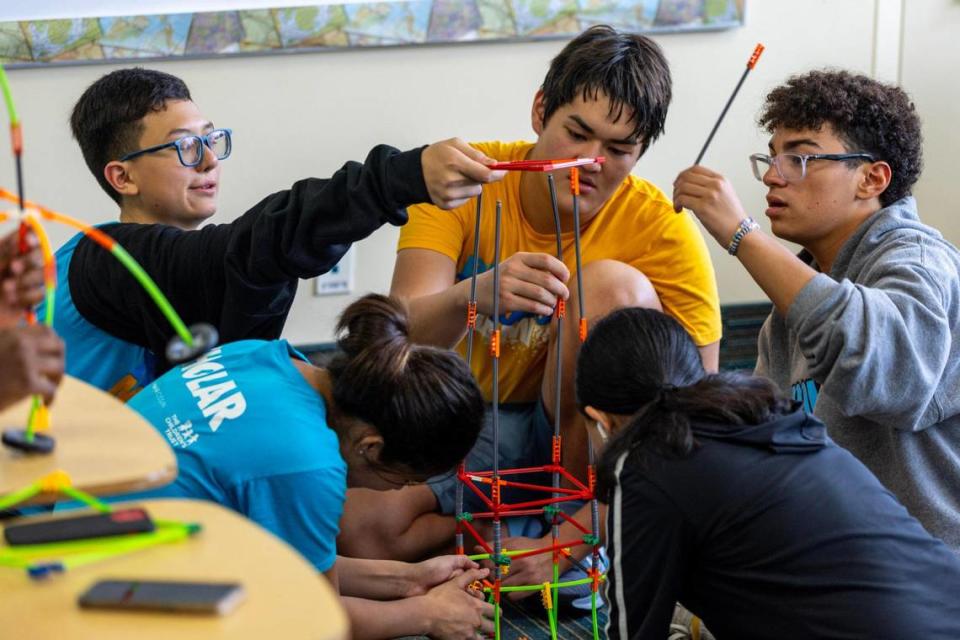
x=55 y=481
x=41 y=418
x=547 y=598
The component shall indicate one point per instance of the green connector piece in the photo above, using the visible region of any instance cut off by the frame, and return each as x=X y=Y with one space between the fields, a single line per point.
x=465 y=517
x=502 y=560
x=591 y=539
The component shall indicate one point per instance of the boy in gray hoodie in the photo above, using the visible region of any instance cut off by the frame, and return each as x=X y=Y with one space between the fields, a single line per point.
x=866 y=325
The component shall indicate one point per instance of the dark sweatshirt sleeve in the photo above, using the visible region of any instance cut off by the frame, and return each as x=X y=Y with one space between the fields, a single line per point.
x=241 y=277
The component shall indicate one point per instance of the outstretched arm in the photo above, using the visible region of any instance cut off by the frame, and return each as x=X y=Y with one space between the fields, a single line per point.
x=241 y=277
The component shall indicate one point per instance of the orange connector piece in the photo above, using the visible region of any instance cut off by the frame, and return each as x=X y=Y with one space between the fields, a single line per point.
x=583 y=329
x=495 y=492
x=755 y=56
x=471 y=314
x=561 y=308
x=592 y=478
x=575 y=181
x=595 y=584
x=16 y=138
x=495 y=344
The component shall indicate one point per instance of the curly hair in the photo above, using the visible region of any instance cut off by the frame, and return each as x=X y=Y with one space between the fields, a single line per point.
x=867 y=115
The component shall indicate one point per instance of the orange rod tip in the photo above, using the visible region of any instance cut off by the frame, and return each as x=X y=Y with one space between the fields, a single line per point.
x=755 y=56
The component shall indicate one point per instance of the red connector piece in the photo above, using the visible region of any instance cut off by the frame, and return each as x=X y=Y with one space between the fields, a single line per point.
x=472 y=314
x=561 y=308
x=545 y=165
x=555 y=457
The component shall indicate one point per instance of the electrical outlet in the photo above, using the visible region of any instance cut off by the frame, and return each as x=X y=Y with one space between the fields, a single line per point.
x=338 y=280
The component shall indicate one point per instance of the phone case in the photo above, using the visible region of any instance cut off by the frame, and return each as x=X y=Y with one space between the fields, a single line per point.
x=157 y=595
x=97 y=525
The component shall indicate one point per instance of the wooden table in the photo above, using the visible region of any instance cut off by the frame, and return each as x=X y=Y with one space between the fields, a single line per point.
x=286 y=598
x=105 y=446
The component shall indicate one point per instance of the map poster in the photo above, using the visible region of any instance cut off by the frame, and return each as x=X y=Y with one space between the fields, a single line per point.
x=344 y=25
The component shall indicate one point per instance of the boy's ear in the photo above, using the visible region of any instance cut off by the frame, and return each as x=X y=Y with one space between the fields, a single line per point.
x=120 y=179
x=875 y=180
x=536 y=113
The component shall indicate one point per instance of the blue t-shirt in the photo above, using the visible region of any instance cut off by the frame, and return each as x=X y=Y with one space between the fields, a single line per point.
x=93 y=355
x=250 y=433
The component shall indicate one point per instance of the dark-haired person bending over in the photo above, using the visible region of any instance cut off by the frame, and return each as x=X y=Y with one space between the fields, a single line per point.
x=866 y=326
x=257 y=428
x=725 y=496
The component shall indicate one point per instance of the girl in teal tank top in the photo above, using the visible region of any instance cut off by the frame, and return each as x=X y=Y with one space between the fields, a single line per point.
x=259 y=429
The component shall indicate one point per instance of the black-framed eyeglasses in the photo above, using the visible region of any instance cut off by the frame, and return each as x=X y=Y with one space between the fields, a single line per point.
x=190 y=148
x=792 y=167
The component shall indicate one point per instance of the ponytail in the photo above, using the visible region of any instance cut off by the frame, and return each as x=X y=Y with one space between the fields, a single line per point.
x=423 y=400
x=643 y=364
x=664 y=426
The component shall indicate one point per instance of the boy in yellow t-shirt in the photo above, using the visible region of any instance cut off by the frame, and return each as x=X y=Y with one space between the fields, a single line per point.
x=606 y=94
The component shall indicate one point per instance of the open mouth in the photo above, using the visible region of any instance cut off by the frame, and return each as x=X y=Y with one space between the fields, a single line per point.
x=775 y=205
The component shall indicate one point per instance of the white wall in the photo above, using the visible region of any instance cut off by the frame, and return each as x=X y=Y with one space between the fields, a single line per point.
x=300 y=115
x=930 y=71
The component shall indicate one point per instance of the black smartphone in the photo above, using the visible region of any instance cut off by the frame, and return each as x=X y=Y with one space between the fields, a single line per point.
x=98 y=525
x=157 y=595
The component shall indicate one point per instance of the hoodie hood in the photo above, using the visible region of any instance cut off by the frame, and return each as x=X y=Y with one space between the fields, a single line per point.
x=796 y=432
x=899 y=217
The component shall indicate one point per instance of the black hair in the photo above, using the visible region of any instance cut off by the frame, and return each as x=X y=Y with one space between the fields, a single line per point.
x=866 y=114
x=423 y=400
x=642 y=363
x=628 y=67
x=107 y=119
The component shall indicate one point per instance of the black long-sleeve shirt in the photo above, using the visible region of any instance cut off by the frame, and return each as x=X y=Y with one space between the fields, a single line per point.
x=241 y=277
x=772 y=531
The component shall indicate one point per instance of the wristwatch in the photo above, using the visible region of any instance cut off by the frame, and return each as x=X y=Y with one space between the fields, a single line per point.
x=746 y=226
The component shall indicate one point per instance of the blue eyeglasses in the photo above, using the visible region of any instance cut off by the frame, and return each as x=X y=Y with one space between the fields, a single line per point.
x=190 y=148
